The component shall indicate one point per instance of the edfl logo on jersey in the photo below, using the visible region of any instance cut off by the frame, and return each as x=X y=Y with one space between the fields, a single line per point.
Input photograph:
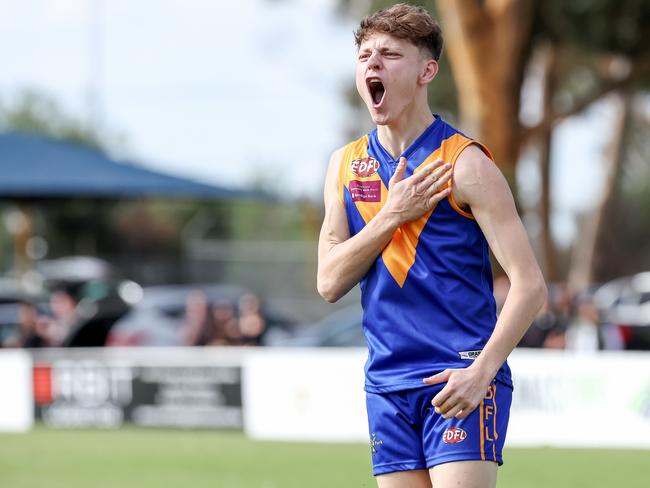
x=364 y=167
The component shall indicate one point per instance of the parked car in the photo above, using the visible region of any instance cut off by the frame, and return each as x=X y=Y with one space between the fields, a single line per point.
x=341 y=328
x=90 y=292
x=160 y=317
x=101 y=292
x=626 y=302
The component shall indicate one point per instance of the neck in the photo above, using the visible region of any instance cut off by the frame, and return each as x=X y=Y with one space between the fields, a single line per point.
x=397 y=136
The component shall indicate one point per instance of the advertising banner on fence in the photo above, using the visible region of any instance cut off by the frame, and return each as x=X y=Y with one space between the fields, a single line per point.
x=305 y=394
x=560 y=398
x=582 y=400
x=77 y=390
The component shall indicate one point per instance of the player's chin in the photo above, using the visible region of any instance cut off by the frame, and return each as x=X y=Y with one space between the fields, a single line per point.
x=379 y=117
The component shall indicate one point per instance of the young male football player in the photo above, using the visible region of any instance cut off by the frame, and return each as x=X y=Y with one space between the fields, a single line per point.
x=412 y=210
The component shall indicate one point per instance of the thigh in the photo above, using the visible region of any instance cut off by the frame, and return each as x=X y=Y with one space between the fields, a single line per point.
x=395 y=437
x=465 y=474
x=478 y=437
x=405 y=479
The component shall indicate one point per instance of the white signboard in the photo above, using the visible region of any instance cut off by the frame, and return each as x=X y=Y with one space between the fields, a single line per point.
x=305 y=394
x=16 y=402
x=582 y=400
x=560 y=398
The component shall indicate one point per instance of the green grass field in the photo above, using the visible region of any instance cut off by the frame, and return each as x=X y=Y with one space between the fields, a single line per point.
x=142 y=458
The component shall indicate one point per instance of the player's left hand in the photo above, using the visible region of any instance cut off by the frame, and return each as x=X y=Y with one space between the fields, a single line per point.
x=463 y=392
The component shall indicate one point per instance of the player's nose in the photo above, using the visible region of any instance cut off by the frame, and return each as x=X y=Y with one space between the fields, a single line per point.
x=374 y=61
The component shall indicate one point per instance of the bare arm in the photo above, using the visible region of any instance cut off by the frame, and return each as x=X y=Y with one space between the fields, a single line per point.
x=344 y=260
x=479 y=183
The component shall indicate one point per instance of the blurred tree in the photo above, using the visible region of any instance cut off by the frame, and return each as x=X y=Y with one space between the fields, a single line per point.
x=580 y=51
x=37 y=113
x=594 y=226
x=589 y=49
x=623 y=246
x=623 y=234
x=602 y=47
x=488 y=44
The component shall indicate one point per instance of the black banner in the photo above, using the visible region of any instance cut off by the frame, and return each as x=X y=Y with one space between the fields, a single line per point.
x=84 y=393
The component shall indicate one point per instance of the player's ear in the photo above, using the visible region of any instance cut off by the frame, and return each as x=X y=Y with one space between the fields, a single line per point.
x=429 y=71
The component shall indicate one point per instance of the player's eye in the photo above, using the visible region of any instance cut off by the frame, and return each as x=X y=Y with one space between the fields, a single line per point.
x=363 y=57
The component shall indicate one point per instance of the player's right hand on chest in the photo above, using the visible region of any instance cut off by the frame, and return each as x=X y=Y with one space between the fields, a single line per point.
x=410 y=198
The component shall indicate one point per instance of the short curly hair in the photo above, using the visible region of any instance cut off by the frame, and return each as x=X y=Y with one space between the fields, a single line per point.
x=403 y=21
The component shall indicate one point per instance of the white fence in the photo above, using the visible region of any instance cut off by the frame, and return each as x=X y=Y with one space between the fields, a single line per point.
x=16 y=400
x=560 y=399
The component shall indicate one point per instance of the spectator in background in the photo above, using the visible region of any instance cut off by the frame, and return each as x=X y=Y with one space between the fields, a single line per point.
x=225 y=329
x=536 y=334
x=550 y=324
x=562 y=303
x=561 y=306
x=196 y=324
x=32 y=327
x=251 y=321
x=65 y=316
x=582 y=334
x=555 y=338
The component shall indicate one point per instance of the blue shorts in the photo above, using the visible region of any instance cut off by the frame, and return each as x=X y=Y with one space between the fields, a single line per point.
x=406 y=433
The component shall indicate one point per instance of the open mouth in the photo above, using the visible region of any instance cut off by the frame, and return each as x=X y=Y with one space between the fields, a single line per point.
x=377 y=91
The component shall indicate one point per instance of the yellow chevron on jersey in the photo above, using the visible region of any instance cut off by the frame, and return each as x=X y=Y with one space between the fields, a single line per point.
x=399 y=254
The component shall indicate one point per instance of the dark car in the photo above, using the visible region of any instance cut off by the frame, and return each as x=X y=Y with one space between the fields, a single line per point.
x=101 y=292
x=159 y=318
x=341 y=328
x=94 y=292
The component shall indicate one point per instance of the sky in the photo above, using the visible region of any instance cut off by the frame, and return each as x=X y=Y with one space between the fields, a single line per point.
x=231 y=93
x=225 y=92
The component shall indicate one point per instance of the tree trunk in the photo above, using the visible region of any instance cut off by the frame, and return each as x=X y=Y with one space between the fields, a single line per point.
x=545 y=147
x=585 y=252
x=487 y=43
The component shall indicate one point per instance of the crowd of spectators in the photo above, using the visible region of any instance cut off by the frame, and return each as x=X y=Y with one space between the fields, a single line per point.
x=568 y=320
x=60 y=320
x=222 y=323
x=38 y=329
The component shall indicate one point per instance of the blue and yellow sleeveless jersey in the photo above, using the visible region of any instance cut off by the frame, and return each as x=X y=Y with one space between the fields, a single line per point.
x=427 y=300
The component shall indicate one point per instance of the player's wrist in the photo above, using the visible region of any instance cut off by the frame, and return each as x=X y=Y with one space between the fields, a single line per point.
x=486 y=371
x=389 y=218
